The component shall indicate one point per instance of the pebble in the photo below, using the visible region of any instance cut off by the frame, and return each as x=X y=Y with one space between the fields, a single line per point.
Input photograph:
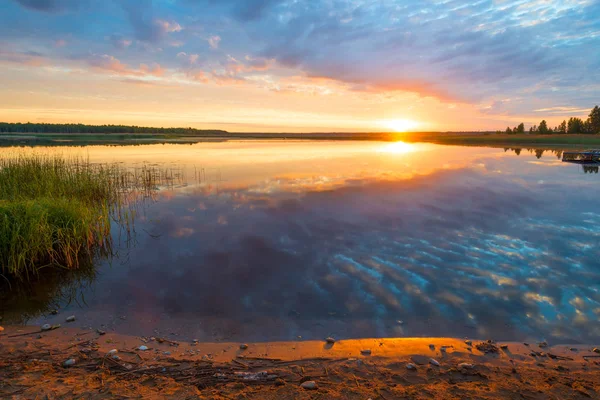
x=309 y=385
x=411 y=366
x=143 y=348
x=100 y=332
x=329 y=340
x=466 y=366
x=279 y=382
x=468 y=342
x=434 y=362
x=116 y=357
x=400 y=322
x=71 y=318
x=365 y=352
x=54 y=312
x=112 y=352
x=167 y=353
x=504 y=346
x=543 y=344
x=243 y=346
x=596 y=350
x=69 y=363
x=46 y=327
x=432 y=346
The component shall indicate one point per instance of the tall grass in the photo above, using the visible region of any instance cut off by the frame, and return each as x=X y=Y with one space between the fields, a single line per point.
x=57 y=211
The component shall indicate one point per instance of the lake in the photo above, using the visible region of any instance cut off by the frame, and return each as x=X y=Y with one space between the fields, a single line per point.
x=272 y=240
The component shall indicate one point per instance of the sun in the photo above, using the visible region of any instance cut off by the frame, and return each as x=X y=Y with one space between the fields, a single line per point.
x=400 y=125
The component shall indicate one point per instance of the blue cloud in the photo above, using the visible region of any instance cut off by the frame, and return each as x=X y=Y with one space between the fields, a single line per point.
x=478 y=52
x=49 y=5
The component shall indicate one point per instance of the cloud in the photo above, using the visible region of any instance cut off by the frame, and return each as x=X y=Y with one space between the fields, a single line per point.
x=188 y=60
x=50 y=6
x=214 y=41
x=120 y=42
x=109 y=64
x=454 y=51
x=242 y=10
x=30 y=58
x=147 y=27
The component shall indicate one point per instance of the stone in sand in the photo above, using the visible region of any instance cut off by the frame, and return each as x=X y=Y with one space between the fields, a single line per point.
x=411 y=367
x=143 y=348
x=46 y=327
x=54 y=312
x=100 y=332
x=466 y=366
x=419 y=359
x=309 y=385
x=112 y=352
x=365 y=352
x=543 y=344
x=468 y=342
x=596 y=350
x=243 y=346
x=434 y=362
x=71 y=318
x=330 y=340
x=69 y=363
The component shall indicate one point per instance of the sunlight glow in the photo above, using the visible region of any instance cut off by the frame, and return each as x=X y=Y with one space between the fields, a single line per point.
x=398 y=148
x=400 y=125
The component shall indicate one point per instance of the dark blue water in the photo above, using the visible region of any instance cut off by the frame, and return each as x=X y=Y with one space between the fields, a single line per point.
x=320 y=239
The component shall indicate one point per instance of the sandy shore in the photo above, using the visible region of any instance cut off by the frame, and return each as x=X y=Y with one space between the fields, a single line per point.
x=32 y=365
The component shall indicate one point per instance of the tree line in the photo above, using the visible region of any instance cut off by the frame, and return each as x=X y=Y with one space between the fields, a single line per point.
x=573 y=126
x=6 y=127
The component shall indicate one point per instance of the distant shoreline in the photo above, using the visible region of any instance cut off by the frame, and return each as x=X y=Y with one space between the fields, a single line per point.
x=469 y=139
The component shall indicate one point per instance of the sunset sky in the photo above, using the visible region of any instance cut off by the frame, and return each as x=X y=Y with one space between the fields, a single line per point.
x=290 y=65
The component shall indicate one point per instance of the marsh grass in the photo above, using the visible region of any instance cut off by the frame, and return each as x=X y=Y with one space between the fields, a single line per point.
x=58 y=212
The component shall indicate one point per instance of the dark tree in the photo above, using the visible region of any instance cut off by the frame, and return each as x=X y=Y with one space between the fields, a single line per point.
x=562 y=128
x=594 y=120
x=575 y=125
x=521 y=128
x=543 y=128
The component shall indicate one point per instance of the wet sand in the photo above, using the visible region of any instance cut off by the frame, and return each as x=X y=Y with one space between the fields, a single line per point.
x=31 y=366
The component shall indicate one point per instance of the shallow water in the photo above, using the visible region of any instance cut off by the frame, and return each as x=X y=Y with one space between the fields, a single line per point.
x=275 y=239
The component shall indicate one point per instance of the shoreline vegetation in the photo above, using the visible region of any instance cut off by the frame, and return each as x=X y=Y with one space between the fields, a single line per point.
x=572 y=132
x=57 y=213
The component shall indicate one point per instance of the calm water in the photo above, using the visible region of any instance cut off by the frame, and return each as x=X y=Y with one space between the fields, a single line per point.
x=272 y=240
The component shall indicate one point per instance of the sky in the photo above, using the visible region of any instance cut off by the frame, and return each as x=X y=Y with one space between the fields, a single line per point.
x=290 y=65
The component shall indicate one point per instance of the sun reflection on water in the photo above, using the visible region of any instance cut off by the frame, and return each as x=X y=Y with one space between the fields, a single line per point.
x=398 y=148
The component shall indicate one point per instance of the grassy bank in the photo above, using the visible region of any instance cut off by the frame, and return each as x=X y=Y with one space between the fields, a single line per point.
x=56 y=212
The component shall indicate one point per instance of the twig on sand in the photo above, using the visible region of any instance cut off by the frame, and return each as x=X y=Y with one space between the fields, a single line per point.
x=240 y=363
x=380 y=394
x=79 y=344
x=259 y=358
x=26 y=334
x=355 y=380
x=7 y=395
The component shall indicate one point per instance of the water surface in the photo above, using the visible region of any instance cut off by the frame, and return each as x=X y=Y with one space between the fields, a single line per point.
x=270 y=240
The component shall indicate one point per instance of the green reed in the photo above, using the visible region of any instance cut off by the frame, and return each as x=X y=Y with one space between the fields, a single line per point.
x=57 y=212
